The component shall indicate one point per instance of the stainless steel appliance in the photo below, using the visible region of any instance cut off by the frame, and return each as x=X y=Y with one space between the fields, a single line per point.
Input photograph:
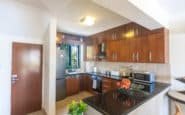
x=97 y=83
x=148 y=87
x=60 y=77
x=147 y=77
x=102 y=51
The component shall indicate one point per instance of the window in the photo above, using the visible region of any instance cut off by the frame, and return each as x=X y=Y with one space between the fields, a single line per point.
x=72 y=55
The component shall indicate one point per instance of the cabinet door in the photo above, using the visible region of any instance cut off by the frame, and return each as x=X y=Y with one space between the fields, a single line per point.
x=68 y=86
x=142 y=49
x=133 y=51
x=138 y=49
x=89 y=49
x=72 y=85
x=156 y=48
x=106 y=85
x=88 y=83
x=75 y=85
x=113 y=84
x=113 y=50
x=82 y=82
x=125 y=50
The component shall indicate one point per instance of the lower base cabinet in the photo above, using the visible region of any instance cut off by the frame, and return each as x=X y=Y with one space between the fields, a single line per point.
x=72 y=85
x=85 y=83
x=75 y=84
x=108 y=84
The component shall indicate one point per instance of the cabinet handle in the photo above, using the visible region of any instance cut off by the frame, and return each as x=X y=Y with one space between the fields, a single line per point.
x=137 y=56
x=113 y=56
x=133 y=57
x=150 y=56
x=116 y=56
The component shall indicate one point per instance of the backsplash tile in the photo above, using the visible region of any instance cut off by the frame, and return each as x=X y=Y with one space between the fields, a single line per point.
x=162 y=71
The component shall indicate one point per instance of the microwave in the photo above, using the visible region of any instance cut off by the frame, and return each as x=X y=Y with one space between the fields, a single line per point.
x=147 y=77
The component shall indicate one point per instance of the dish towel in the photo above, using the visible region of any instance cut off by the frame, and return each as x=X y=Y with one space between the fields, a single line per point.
x=94 y=83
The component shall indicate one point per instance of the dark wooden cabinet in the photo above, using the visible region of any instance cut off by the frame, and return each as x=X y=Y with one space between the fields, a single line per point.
x=89 y=50
x=131 y=43
x=85 y=83
x=108 y=84
x=113 y=54
x=158 y=42
x=125 y=48
x=72 y=85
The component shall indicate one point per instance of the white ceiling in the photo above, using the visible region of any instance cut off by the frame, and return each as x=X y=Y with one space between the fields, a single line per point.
x=176 y=13
x=69 y=13
x=69 y=17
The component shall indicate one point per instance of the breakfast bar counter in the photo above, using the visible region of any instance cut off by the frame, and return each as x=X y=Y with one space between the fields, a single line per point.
x=116 y=103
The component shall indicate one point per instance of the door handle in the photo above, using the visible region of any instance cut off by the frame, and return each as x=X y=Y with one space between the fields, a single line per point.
x=14 y=78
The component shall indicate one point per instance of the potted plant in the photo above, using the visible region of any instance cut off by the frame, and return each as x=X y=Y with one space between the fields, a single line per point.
x=77 y=108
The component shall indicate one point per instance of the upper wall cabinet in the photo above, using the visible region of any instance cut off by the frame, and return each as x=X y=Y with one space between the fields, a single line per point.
x=158 y=42
x=131 y=43
x=89 y=50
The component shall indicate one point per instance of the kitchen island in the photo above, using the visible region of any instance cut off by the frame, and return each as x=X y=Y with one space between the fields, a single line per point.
x=114 y=103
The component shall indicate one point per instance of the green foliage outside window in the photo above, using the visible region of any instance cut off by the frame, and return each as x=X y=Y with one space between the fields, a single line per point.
x=72 y=56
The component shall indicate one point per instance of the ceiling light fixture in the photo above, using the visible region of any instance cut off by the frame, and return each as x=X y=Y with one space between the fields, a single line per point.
x=88 y=20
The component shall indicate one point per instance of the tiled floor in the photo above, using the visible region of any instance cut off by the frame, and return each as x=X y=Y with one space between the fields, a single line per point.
x=61 y=106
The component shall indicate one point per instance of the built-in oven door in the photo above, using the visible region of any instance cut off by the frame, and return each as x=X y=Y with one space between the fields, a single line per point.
x=99 y=84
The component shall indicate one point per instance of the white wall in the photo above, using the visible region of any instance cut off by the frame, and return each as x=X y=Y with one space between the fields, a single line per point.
x=49 y=75
x=18 y=23
x=177 y=59
x=22 y=20
x=5 y=68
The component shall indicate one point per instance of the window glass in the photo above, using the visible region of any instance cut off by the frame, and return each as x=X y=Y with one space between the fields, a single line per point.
x=73 y=55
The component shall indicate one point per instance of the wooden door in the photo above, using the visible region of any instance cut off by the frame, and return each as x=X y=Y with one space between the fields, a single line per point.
x=26 y=88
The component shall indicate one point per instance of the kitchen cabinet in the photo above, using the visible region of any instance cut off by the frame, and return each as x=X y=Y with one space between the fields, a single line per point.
x=125 y=50
x=85 y=83
x=72 y=85
x=130 y=43
x=158 y=42
x=113 y=52
x=108 y=84
x=89 y=50
x=139 y=49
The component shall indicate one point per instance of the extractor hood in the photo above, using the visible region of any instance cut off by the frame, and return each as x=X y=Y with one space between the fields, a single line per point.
x=102 y=51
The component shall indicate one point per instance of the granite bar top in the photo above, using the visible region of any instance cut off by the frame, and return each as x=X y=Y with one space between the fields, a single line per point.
x=114 y=103
x=181 y=79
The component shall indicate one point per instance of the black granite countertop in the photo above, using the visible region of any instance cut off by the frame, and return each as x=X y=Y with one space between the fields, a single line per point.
x=114 y=103
x=91 y=73
x=181 y=79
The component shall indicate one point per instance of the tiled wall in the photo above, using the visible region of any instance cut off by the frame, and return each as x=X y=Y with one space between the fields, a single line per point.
x=162 y=71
